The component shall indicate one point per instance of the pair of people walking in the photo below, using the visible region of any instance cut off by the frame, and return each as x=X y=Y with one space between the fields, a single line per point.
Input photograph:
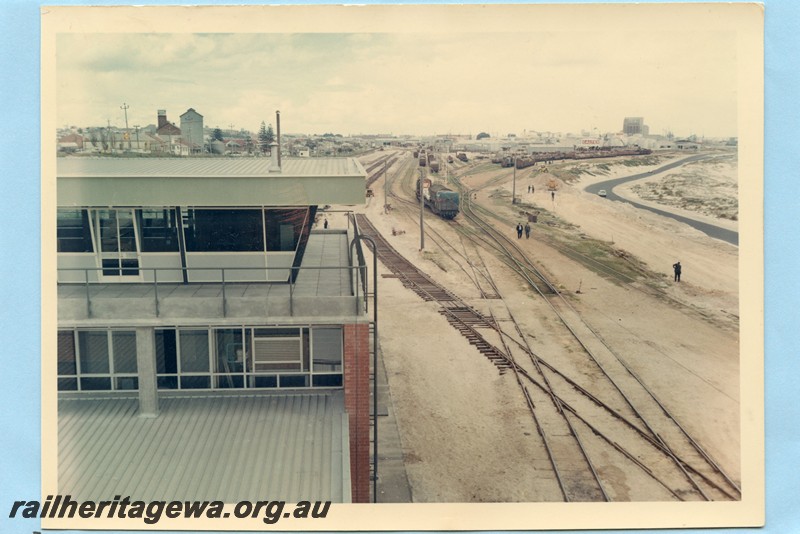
x=526 y=229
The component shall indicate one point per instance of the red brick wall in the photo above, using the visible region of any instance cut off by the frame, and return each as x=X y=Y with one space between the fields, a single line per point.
x=356 y=401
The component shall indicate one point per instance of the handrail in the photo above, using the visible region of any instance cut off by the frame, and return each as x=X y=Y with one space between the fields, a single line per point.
x=156 y=281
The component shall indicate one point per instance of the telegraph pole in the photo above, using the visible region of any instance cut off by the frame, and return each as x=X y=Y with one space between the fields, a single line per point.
x=125 y=107
x=385 y=189
x=514 y=182
x=421 y=209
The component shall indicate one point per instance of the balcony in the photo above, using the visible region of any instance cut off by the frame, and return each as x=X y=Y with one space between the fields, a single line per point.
x=325 y=285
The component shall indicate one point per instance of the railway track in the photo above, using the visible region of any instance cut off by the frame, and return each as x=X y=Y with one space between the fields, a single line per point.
x=566 y=413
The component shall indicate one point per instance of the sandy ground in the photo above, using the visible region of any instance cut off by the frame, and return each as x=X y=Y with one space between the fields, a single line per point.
x=465 y=430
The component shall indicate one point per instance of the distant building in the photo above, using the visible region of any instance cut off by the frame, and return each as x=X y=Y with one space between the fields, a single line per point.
x=71 y=143
x=166 y=128
x=633 y=126
x=192 y=130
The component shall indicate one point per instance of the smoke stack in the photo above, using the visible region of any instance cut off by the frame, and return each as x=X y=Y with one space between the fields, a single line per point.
x=278 y=128
x=162 y=117
x=275 y=158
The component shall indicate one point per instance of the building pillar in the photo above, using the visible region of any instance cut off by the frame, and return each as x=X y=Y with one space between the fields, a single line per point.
x=356 y=402
x=146 y=368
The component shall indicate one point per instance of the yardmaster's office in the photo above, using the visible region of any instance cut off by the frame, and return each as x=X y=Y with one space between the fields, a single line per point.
x=211 y=343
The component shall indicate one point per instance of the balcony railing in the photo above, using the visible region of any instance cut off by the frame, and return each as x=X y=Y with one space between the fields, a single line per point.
x=354 y=281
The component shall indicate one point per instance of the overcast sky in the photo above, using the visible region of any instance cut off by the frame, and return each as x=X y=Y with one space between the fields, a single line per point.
x=400 y=83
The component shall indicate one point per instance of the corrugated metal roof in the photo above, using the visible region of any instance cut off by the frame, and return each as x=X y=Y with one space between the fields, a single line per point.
x=208 y=182
x=206 y=167
x=286 y=446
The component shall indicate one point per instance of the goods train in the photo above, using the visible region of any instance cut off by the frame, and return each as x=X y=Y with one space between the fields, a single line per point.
x=507 y=160
x=441 y=200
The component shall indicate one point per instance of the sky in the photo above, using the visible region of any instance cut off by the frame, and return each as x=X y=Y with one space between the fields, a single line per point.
x=405 y=83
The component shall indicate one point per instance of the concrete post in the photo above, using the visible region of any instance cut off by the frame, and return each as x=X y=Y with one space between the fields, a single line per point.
x=146 y=365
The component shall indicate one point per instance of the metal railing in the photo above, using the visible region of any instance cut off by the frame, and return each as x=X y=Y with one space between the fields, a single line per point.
x=356 y=278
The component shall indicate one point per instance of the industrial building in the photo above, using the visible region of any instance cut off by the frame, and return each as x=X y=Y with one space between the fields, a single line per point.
x=211 y=343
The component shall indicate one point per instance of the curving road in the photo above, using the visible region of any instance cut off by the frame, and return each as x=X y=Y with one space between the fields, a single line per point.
x=711 y=230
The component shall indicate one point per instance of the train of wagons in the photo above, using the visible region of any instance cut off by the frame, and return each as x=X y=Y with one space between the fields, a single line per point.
x=440 y=200
x=522 y=161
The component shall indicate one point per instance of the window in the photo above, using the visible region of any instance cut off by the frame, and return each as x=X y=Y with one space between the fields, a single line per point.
x=73 y=232
x=230 y=358
x=116 y=236
x=93 y=347
x=204 y=358
x=283 y=228
x=166 y=359
x=124 y=347
x=159 y=230
x=218 y=230
x=327 y=357
x=106 y=360
x=67 y=365
x=194 y=359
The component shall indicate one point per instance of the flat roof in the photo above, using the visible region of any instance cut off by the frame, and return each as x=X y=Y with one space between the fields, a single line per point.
x=89 y=181
x=280 y=446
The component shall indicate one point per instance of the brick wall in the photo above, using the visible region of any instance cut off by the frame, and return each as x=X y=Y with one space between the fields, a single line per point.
x=356 y=401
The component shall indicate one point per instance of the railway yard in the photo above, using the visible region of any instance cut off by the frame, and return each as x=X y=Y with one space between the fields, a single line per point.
x=567 y=366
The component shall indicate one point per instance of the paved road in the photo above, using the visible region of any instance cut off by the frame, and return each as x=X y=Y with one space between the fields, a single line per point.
x=711 y=230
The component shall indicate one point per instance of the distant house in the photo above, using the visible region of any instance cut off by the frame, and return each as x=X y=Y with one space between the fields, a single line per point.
x=234 y=146
x=71 y=143
x=166 y=128
x=302 y=151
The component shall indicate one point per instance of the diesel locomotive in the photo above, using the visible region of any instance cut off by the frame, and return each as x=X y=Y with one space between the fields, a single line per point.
x=441 y=200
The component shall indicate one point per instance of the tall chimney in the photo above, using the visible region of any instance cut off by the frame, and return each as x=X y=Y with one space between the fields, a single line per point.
x=278 y=127
x=274 y=153
x=162 y=117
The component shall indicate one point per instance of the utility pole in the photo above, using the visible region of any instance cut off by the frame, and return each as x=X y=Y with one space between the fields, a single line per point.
x=136 y=129
x=385 y=189
x=514 y=182
x=125 y=107
x=421 y=209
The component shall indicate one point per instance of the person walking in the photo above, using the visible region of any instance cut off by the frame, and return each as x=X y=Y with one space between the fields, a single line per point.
x=519 y=230
x=527 y=230
x=677 y=268
x=553 y=196
x=533 y=189
x=325 y=224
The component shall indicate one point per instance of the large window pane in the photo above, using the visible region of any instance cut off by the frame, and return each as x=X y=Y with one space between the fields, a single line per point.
x=194 y=351
x=107 y=224
x=230 y=350
x=224 y=231
x=127 y=235
x=93 y=352
x=283 y=228
x=166 y=352
x=95 y=384
x=124 y=343
x=327 y=349
x=230 y=358
x=67 y=384
x=66 y=353
x=159 y=230
x=73 y=231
